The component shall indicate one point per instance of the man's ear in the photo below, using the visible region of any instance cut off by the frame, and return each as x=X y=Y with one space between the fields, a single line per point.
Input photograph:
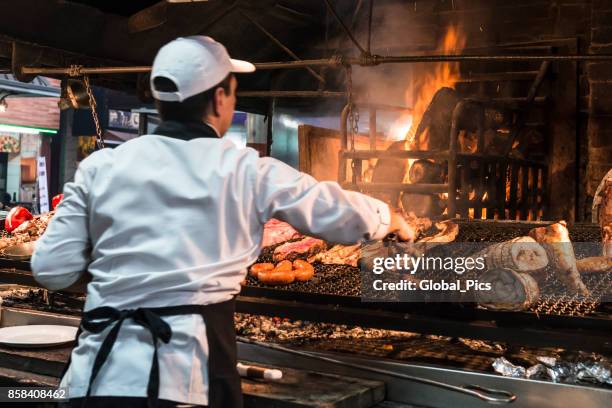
x=218 y=100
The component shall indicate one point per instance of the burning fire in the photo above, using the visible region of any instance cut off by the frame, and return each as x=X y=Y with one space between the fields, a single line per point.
x=444 y=74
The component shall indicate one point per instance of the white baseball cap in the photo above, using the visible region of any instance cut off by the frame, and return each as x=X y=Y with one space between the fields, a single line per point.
x=194 y=64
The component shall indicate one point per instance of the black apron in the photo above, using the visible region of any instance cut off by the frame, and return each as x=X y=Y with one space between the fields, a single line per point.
x=224 y=388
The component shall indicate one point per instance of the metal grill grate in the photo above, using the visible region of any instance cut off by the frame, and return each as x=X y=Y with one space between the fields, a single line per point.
x=554 y=302
x=345 y=280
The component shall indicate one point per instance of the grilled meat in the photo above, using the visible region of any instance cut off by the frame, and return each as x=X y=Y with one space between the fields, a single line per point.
x=339 y=255
x=596 y=264
x=522 y=254
x=303 y=270
x=420 y=224
x=303 y=248
x=276 y=231
x=28 y=231
x=555 y=239
x=448 y=232
x=510 y=290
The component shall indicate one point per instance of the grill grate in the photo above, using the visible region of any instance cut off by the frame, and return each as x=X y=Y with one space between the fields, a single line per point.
x=552 y=302
x=345 y=280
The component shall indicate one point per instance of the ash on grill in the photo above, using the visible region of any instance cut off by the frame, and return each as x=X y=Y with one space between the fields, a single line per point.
x=412 y=347
x=42 y=300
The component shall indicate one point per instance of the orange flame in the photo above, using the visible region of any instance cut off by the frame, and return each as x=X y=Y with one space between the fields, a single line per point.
x=444 y=74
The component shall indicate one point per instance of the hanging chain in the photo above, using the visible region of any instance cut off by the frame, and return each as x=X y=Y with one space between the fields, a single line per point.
x=353 y=127
x=353 y=111
x=94 y=113
x=75 y=70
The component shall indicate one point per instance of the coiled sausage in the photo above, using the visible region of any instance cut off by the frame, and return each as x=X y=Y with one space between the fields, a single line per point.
x=304 y=271
x=260 y=267
x=276 y=277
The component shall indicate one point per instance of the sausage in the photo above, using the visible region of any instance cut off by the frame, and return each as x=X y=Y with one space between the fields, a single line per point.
x=284 y=266
x=303 y=270
x=281 y=274
x=275 y=277
x=259 y=267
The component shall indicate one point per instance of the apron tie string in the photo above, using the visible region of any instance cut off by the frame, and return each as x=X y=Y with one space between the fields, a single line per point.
x=97 y=320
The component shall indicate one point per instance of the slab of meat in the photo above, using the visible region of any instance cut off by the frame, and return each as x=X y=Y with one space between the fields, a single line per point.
x=448 y=231
x=522 y=254
x=339 y=255
x=607 y=240
x=555 y=239
x=420 y=224
x=596 y=264
x=303 y=248
x=510 y=290
x=276 y=231
x=602 y=212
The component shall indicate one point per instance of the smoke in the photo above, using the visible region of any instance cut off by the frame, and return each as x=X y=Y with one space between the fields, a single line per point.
x=400 y=28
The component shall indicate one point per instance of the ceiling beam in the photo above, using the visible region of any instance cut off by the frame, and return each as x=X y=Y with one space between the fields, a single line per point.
x=148 y=18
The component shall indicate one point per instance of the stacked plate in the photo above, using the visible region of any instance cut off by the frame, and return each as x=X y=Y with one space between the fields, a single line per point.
x=37 y=336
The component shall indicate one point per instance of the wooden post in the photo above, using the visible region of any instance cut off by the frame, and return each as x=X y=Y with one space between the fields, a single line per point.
x=525 y=193
x=501 y=190
x=513 y=190
x=372 y=128
x=269 y=139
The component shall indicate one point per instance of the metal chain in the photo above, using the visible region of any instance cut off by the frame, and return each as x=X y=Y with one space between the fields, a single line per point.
x=94 y=113
x=353 y=111
x=353 y=127
x=75 y=70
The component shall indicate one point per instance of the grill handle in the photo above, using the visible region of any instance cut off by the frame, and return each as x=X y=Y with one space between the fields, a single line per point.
x=489 y=395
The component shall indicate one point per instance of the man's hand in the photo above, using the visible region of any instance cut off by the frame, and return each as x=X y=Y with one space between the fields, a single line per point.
x=399 y=226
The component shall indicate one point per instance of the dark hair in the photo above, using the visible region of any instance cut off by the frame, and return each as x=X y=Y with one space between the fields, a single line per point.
x=191 y=109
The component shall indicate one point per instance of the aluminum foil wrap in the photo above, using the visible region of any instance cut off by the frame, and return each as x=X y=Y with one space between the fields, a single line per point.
x=585 y=368
x=594 y=372
x=536 y=372
x=507 y=369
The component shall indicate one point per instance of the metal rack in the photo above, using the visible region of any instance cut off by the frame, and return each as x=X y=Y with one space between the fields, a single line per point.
x=527 y=179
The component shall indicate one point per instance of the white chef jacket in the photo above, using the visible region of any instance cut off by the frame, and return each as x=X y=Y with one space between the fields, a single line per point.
x=160 y=221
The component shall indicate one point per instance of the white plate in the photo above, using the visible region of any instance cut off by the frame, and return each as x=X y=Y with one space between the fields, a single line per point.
x=37 y=335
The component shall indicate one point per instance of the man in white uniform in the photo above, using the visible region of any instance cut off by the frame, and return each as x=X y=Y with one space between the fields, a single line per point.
x=166 y=225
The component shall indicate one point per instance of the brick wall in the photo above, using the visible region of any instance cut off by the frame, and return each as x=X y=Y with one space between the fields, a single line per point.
x=31 y=111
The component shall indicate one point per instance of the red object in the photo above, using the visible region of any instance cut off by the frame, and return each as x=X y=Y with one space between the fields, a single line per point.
x=56 y=200
x=16 y=217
